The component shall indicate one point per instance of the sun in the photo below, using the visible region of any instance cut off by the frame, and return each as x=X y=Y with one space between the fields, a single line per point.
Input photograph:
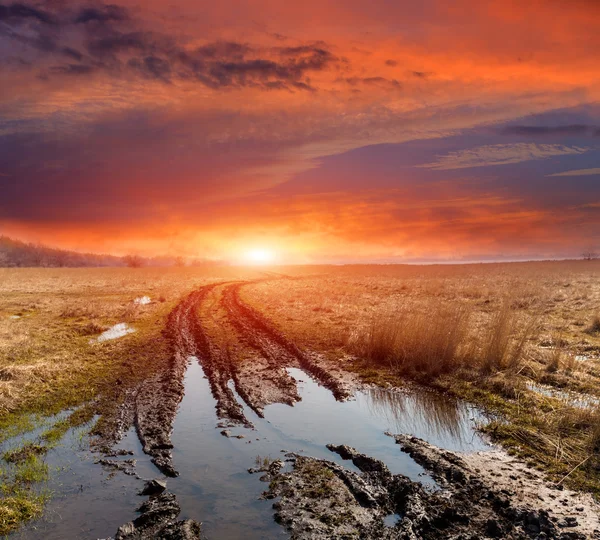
x=259 y=256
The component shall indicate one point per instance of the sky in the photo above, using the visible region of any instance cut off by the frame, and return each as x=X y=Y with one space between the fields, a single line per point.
x=324 y=131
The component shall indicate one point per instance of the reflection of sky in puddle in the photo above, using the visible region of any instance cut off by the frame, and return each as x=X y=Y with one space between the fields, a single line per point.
x=41 y=424
x=116 y=331
x=574 y=399
x=391 y=520
x=214 y=486
x=87 y=501
x=142 y=300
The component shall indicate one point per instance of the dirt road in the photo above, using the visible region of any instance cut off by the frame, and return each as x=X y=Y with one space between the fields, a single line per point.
x=243 y=356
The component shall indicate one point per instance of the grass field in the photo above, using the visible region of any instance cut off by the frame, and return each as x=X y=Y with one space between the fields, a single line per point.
x=522 y=340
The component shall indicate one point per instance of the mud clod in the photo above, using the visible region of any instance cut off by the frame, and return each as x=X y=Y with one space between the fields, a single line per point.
x=157 y=521
x=154 y=487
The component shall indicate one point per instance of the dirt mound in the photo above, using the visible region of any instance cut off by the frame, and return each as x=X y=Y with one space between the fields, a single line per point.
x=157 y=520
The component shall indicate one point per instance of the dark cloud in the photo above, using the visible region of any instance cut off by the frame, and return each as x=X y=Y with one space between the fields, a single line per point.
x=152 y=67
x=18 y=11
x=391 y=63
x=42 y=41
x=119 y=45
x=102 y=14
x=216 y=65
x=72 y=69
x=541 y=131
x=223 y=49
x=421 y=74
x=72 y=53
x=372 y=81
x=120 y=42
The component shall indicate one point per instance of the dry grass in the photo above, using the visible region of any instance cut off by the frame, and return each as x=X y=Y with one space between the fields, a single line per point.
x=594 y=328
x=532 y=314
x=438 y=339
x=424 y=342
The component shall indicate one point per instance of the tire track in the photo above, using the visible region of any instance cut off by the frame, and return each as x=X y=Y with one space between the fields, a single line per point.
x=158 y=398
x=260 y=333
x=233 y=343
x=214 y=360
x=256 y=380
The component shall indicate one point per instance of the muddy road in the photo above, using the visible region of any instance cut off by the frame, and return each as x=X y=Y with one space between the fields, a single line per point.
x=248 y=365
x=243 y=356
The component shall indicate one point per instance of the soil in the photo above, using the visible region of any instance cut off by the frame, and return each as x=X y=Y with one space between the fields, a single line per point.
x=321 y=499
x=157 y=520
x=244 y=356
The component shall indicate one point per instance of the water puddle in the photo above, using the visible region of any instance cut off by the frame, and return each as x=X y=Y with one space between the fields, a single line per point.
x=392 y=520
x=574 y=399
x=117 y=331
x=142 y=301
x=214 y=486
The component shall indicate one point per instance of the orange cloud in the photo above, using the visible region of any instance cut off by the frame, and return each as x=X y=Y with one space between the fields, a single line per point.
x=174 y=126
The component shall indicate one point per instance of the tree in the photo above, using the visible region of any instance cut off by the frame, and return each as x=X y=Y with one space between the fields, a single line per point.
x=590 y=255
x=133 y=261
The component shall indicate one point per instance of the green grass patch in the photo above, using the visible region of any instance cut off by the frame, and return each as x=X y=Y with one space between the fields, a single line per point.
x=20 y=506
x=32 y=470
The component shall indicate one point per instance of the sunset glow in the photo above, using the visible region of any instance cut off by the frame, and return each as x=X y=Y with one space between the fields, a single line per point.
x=259 y=256
x=366 y=131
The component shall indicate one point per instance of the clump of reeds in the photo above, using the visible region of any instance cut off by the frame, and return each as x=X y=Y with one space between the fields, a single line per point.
x=438 y=339
x=424 y=342
x=503 y=343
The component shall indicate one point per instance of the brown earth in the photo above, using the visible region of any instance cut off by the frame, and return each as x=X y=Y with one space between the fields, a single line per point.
x=320 y=499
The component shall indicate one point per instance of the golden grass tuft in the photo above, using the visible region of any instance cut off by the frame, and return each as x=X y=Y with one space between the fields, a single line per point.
x=424 y=342
x=439 y=339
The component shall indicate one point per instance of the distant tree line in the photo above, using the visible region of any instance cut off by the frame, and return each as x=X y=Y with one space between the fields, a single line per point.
x=15 y=253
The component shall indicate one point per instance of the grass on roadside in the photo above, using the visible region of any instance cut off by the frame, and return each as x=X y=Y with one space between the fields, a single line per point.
x=492 y=368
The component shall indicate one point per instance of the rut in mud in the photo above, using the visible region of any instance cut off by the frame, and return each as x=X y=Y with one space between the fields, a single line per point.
x=152 y=405
x=240 y=349
x=236 y=347
x=240 y=352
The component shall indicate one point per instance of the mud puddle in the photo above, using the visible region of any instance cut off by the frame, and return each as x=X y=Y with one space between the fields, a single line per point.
x=214 y=487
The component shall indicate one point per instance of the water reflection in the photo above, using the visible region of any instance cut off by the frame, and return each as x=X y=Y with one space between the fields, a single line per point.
x=571 y=398
x=424 y=413
x=215 y=488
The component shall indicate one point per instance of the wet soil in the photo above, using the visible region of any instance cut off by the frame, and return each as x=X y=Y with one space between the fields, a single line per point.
x=158 y=519
x=234 y=344
x=321 y=499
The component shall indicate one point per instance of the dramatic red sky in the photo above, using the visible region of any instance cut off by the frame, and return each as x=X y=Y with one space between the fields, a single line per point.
x=327 y=131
